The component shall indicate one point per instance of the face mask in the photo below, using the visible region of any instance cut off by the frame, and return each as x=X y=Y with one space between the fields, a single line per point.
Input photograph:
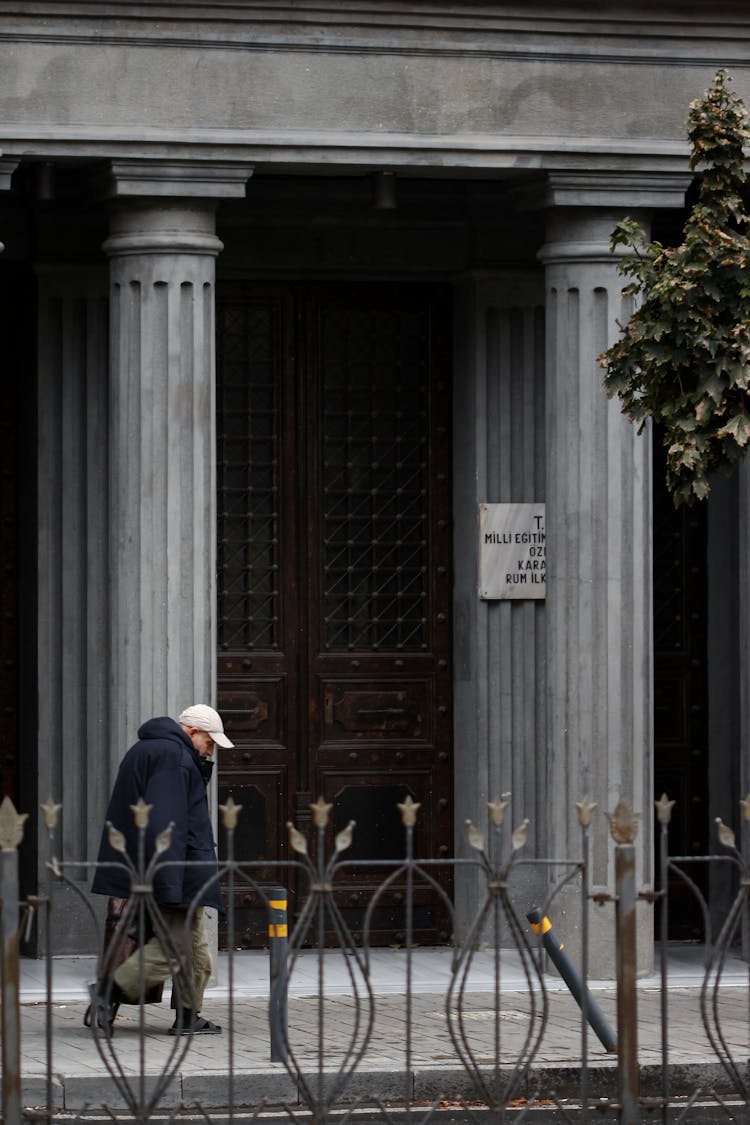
x=206 y=766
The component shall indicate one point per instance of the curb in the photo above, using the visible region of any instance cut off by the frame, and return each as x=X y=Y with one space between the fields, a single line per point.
x=251 y=1089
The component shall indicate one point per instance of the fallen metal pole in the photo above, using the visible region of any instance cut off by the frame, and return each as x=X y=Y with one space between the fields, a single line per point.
x=570 y=974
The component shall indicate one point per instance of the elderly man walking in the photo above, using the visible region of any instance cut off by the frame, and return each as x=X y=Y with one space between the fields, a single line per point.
x=168 y=768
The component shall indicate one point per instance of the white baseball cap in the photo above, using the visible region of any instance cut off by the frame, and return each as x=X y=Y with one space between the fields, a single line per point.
x=203 y=717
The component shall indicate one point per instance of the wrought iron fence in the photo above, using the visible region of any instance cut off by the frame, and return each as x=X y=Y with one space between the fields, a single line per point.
x=361 y=1056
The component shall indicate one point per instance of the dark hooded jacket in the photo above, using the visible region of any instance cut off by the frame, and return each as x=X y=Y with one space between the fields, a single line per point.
x=166 y=770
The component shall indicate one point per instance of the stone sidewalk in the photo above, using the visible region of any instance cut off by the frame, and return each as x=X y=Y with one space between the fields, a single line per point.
x=410 y=1053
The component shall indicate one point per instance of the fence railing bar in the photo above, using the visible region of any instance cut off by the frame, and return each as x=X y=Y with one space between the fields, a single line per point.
x=627 y=998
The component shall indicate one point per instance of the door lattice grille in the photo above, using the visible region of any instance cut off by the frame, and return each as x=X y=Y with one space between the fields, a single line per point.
x=249 y=479
x=375 y=475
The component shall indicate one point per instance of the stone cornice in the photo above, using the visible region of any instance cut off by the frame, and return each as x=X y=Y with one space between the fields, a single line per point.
x=375 y=21
x=521 y=154
x=616 y=53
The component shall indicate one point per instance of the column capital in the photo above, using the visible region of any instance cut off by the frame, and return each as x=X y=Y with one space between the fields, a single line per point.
x=583 y=235
x=590 y=251
x=176 y=179
x=163 y=226
x=621 y=191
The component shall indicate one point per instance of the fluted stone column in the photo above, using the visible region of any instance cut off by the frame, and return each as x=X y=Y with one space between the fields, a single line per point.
x=599 y=540
x=162 y=460
x=599 y=576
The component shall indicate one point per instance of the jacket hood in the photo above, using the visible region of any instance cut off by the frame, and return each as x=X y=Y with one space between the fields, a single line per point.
x=164 y=727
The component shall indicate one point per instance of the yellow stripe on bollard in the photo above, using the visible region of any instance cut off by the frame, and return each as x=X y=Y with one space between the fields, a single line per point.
x=545 y=925
x=277 y=904
x=277 y=931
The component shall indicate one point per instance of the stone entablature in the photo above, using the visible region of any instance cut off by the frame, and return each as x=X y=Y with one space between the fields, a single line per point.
x=477 y=87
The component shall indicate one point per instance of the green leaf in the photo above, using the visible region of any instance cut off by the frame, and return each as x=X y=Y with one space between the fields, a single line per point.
x=738 y=428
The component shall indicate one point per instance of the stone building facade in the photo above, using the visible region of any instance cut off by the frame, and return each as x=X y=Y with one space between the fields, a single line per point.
x=289 y=291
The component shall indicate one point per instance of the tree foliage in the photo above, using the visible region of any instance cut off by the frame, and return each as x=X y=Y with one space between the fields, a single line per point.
x=684 y=357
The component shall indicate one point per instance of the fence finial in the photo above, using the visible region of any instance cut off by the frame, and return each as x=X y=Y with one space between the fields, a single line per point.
x=585 y=811
x=623 y=822
x=141 y=812
x=296 y=839
x=320 y=811
x=724 y=832
x=664 y=809
x=164 y=839
x=50 y=813
x=344 y=837
x=497 y=810
x=11 y=826
x=229 y=813
x=116 y=838
x=475 y=837
x=408 y=809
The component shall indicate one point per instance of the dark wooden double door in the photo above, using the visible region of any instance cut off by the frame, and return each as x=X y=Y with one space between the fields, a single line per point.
x=334 y=567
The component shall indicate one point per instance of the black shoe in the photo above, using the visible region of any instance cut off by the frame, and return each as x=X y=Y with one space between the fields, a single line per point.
x=101 y=1012
x=189 y=1022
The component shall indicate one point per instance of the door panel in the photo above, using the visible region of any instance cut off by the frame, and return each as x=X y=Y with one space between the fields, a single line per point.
x=334 y=565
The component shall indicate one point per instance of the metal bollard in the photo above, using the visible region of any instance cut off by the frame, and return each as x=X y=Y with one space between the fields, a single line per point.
x=277 y=947
x=569 y=973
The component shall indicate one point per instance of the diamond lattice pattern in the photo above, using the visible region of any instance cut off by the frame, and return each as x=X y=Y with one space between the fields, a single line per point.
x=375 y=448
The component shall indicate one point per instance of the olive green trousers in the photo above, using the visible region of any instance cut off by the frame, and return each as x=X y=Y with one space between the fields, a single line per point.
x=153 y=963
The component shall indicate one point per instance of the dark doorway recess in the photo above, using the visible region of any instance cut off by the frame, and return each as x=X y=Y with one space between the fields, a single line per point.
x=10 y=390
x=681 y=688
x=334 y=566
x=17 y=539
x=18 y=560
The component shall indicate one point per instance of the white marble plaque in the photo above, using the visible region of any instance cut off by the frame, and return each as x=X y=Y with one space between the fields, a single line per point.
x=512 y=551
